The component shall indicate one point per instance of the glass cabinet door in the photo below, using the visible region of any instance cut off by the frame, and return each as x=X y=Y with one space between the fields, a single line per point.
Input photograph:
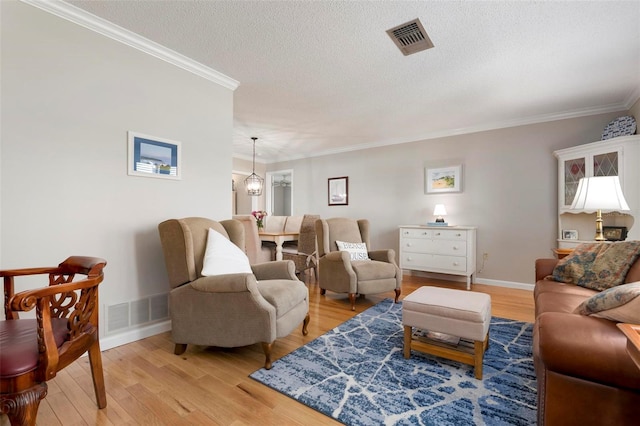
x=574 y=170
x=606 y=164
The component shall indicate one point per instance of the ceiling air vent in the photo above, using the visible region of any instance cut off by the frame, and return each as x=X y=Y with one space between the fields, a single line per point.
x=410 y=37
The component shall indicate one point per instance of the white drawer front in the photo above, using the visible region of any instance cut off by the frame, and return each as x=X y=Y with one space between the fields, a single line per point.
x=416 y=245
x=449 y=234
x=415 y=233
x=449 y=247
x=452 y=263
x=433 y=262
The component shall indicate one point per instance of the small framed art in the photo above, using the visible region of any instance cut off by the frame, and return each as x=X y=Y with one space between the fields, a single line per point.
x=615 y=233
x=444 y=179
x=569 y=234
x=151 y=156
x=338 y=191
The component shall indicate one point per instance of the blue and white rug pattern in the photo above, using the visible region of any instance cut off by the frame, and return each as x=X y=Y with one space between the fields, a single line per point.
x=356 y=373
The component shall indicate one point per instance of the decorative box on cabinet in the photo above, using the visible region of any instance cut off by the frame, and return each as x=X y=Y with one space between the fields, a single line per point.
x=444 y=250
x=614 y=157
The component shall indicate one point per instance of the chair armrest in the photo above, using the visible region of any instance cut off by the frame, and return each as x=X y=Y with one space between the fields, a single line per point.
x=228 y=283
x=277 y=270
x=544 y=267
x=388 y=255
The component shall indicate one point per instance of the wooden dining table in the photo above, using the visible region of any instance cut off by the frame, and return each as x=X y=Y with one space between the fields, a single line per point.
x=279 y=238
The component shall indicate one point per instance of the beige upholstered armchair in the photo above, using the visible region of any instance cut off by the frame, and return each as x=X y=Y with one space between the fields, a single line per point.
x=230 y=310
x=340 y=273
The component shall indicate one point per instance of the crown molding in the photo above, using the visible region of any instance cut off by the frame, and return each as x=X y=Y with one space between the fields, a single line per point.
x=537 y=119
x=102 y=26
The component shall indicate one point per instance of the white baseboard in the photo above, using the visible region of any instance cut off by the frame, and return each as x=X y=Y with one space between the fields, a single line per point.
x=134 y=335
x=510 y=284
x=462 y=279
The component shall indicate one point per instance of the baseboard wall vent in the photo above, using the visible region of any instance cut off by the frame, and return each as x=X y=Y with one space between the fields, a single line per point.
x=123 y=316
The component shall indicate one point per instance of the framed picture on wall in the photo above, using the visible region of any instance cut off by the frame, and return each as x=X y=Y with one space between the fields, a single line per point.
x=338 y=191
x=151 y=156
x=444 y=179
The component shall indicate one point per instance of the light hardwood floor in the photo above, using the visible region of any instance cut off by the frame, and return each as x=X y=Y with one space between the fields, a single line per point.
x=147 y=384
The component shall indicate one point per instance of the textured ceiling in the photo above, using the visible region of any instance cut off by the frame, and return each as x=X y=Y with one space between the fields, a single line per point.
x=320 y=77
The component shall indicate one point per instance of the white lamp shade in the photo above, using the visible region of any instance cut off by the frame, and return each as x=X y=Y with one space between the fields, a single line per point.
x=439 y=210
x=599 y=193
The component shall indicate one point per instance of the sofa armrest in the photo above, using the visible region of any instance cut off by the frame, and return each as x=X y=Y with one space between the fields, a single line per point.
x=544 y=267
x=585 y=347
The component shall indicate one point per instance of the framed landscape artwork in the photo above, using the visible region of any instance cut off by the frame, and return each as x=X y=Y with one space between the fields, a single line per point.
x=151 y=156
x=444 y=179
x=338 y=191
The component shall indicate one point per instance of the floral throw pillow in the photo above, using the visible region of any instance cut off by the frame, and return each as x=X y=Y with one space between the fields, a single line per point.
x=620 y=303
x=597 y=266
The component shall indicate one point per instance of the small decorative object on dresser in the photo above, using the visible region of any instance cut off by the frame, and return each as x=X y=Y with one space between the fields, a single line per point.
x=438 y=212
x=444 y=251
x=569 y=234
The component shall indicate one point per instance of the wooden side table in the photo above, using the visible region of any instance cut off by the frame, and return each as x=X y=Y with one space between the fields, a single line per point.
x=632 y=331
x=562 y=252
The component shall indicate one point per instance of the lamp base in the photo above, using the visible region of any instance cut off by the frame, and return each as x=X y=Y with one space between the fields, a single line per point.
x=599 y=235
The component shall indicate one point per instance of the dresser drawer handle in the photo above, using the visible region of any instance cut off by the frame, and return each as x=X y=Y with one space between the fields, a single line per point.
x=455 y=247
x=437 y=233
x=455 y=263
x=458 y=235
x=409 y=259
x=408 y=244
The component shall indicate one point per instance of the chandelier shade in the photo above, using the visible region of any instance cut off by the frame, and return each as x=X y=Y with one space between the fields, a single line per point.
x=254 y=183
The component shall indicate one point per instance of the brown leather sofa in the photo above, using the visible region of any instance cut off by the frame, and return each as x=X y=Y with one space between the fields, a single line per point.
x=585 y=375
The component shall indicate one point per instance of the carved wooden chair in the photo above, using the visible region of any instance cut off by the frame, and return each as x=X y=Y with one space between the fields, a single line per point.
x=64 y=328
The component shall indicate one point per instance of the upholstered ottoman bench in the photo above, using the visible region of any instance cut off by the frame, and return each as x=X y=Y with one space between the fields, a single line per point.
x=441 y=311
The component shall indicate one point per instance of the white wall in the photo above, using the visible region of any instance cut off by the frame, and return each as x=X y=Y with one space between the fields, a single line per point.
x=509 y=189
x=69 y=96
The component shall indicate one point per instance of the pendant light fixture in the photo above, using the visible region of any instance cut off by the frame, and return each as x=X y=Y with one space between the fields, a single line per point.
x=254 y=183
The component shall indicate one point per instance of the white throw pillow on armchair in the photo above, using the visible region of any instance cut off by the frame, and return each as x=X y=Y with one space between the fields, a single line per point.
x=223 y=257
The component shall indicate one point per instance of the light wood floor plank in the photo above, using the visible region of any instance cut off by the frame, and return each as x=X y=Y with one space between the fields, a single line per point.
x=147 y=384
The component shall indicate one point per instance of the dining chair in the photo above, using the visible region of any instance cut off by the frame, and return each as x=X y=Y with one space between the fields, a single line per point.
x=305 y=253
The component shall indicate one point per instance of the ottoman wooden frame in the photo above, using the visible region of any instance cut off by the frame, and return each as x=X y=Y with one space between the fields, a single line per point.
x=455 y=312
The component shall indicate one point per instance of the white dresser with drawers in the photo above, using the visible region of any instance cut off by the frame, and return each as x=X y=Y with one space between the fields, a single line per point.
x=440 y=249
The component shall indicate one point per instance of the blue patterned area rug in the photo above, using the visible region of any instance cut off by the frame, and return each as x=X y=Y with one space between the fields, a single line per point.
x=356 y=374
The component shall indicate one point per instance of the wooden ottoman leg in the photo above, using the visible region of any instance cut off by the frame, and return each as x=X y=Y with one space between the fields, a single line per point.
x=407 y=341
x=478 y=357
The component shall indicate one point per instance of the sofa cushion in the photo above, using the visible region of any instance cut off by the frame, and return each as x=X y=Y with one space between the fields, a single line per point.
x=548 y=286
x=357 y=251
x=556 y=302
x=221 y=257
x=620 y=303
x=597 y=266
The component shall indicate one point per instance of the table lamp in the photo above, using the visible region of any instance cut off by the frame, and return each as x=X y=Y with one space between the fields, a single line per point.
x=599 y=193
x=438 y=212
